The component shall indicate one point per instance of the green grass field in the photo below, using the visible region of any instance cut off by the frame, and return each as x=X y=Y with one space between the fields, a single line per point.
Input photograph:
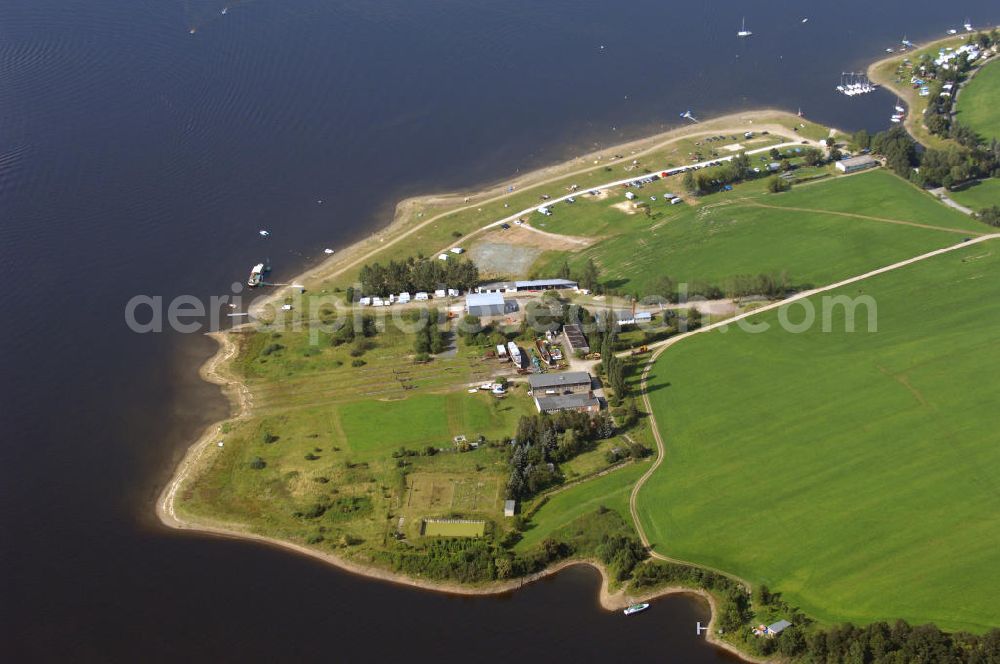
x=979 y=102
x=817 y=233
x=980 y=195
x=451 y=528
x=611 y=491
x=853 y=472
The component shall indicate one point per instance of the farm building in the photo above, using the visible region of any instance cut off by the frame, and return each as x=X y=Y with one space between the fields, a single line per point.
x=627 y=317
x=584 y=403
x=509 y=507
x=543 y=284
x=777 y=628
x=575 y=382
x=497 y=287
x=575 y=339
x=485 y=304
x=522 y=286
x=855 y=164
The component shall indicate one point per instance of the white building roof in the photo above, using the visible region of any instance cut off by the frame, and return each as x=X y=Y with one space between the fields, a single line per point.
x=483 y=299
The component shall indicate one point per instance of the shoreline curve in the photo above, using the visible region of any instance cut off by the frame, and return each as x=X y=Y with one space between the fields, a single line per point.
x=215 y=370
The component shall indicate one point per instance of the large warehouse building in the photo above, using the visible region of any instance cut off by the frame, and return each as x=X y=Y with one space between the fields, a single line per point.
x=485 y=304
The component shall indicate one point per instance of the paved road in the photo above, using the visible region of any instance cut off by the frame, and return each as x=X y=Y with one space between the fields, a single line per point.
x=659 y=347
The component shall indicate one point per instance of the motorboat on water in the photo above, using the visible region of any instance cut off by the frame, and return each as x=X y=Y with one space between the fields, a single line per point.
x=636 y=608
x=256 y=275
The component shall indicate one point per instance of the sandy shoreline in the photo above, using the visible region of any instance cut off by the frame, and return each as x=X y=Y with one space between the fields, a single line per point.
x=216 y=368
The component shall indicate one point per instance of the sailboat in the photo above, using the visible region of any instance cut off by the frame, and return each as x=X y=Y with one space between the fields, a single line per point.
x=743 y=30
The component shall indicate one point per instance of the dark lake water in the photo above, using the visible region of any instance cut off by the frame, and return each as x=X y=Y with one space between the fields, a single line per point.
x=136 y=157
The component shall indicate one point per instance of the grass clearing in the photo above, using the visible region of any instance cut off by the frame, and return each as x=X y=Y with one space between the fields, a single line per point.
x=979 y=195
x=453 y=528
x=611 y=491
x=851 y=472
x=979 y=102
x=817 y=233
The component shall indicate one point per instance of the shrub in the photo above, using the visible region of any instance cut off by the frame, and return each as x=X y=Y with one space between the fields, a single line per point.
x=358 y=363
x=258 y=463
x=990 y=215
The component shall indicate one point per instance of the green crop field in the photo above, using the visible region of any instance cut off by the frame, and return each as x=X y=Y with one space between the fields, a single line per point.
x=853 y=472
x=979 y=195
x=817 y=233
x=979 y=102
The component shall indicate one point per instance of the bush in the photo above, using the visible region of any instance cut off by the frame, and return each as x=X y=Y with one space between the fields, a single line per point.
x=271 y=348
x=358 y=363
x=267 y=438
x=258 y=463
x=990 y=215
x=776 y=185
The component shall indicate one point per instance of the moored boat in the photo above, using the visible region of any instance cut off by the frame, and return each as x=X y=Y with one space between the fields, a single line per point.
x=256 y=275
x=636 y=608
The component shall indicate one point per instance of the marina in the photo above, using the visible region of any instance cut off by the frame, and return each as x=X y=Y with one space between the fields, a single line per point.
x=855 y=83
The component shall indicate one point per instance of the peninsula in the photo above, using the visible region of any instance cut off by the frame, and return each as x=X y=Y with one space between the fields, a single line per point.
x=476 y=396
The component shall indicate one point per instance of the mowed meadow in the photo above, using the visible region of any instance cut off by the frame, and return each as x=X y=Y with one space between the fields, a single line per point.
x=853 y=472
x=979 y=102
x=817 y=233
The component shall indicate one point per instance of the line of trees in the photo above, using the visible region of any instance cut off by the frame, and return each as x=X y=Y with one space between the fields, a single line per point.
x=613 y=366
x=708 y=180
x=429 y=339
x=775 y=284
x=417 y=274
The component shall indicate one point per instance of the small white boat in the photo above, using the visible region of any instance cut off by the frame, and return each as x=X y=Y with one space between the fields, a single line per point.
x=952 y=31
x=968 y=26
x=900 y=109
x=805 y=20
x=636 y=608
x=256 y=275
x=328 y=251
x=743 y=30
x=225 y=10
x=264 y=233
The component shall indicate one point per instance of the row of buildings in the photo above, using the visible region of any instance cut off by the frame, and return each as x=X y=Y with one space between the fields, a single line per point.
x=571 y=390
